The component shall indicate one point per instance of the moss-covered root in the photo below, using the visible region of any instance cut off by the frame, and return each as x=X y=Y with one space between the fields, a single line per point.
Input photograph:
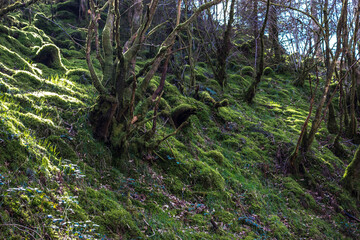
x=351 y=178
x=49 y=55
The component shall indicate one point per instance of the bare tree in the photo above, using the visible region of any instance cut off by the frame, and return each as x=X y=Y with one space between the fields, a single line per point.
x=251 y=91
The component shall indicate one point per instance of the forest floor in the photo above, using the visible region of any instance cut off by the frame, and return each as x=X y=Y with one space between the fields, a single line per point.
x=223 y=176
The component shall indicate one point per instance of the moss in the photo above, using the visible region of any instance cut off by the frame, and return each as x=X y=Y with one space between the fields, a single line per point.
x=222 y=103
x=279 y=230
x=43 y=126
x=79 y=75
x=119 y=222
x=268 y=71
x=28 y=79
x=65 y=150
x=224 y=216
x=294 y=190
x=207 y=177
x=213 y=84
x=49 y=55
x=13 y=60
x=13 y=153
x=206 y=98
x=181 y=113
x=69 y=6
x=351 y=178
x=216 y=156
x=339 y=149
x=247 y=71
x=62 y=101
x=200 y=77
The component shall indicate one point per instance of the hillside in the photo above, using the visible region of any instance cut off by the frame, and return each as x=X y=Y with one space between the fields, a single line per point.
x=222 y=176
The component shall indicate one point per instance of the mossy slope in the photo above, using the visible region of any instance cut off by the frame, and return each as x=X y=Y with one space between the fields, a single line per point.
x=221 y=177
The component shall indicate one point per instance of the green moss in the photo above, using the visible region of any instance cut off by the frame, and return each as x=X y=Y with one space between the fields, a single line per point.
x=207 y=177
x=247 y=71
x=213 y=84
x=200 y=77
x=28 y=79
x=119 y=222
x=294 y=190
x=279 y=230
x=216 y=156
x=13 y=153
x=268 y=71
x=206 y=98
x=13 y=60
x=332 y=125
x=224 y=216
x=181 y=113
x=351 y=178
x=79 y=75
x=42 y=125
x=49 y=55
x=64 y=148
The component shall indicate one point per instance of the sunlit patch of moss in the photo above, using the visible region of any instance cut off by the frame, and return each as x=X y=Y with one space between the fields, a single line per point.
x=14 y=44
x=12 y=59
x=63 y=101
x=27 y=79
x=351 y=176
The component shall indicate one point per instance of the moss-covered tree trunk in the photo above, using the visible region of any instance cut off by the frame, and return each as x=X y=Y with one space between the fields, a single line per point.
x=224 y=48
x=351 y=55
x=121 y=107
x=351 y=178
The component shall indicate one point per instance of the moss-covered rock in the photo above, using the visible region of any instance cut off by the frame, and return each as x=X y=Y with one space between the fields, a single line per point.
x=247 y=71
x=49 y=55
x=207 y=177
x=79 y=75
x=28 y=79
x=181 y=113
x=119 y=222
x=268 y=71
x=216 y=156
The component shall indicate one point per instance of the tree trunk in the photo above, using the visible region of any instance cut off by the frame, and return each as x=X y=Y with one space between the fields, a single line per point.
x=250 y=93
x=274 y=32
x=223 y=49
